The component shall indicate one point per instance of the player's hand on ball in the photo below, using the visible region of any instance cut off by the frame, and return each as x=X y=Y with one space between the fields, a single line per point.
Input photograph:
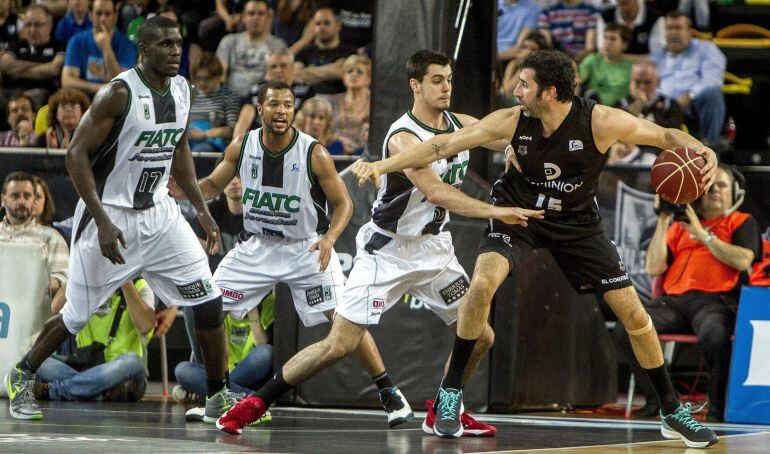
x=213 y=237
x=709 y=171
x=516 y=215
x=510 y=159
x=109 y=235
x=366 y=171
x=324 y=247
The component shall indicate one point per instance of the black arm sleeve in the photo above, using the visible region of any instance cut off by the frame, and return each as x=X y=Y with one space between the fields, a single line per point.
x=747 y=236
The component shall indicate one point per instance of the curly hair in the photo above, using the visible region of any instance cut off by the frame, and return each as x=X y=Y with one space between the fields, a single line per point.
x=552 y=69
x=66 y=96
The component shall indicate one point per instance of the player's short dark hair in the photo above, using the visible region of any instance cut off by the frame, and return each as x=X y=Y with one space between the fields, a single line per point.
x=417 y=65
x=625 y=32
x=676 y=14
x=151 y=28
x=272 y=85
x=19 y=176
x=552 y=69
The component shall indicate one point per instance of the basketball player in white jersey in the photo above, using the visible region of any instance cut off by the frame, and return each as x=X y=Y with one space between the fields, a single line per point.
x=128 y=143
x=287 y=178
x=405 y=248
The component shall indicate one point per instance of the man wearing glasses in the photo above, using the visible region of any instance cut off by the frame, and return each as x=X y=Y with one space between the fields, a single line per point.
x=646 y=102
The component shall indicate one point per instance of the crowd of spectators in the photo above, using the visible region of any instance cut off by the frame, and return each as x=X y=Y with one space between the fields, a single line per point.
x=55 y=55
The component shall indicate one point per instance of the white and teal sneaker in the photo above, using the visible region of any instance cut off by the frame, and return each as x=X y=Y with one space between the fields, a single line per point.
x=682 y=425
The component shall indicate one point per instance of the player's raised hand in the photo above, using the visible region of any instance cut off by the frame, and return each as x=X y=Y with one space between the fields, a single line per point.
x=709 y=171
x=213 y=237
x=109 y=236
x=366 y=171
x=516 y=215
x=174 y=190
x=324 y=247
x=510 y=159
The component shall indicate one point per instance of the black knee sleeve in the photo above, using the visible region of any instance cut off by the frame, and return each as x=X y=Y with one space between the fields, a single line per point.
x=208 y=315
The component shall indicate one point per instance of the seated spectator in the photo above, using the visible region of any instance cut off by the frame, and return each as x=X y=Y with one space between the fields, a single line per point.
x=43 y=209
x=645 y=22
x=629 y=155
x=243 y=55
x=19 y=226
x=646 y=102
x=320 y=63
x=292 y=23
x=350 y=120
x=78 y=19
x=608 y=73
x=280 y=66
x=9 y=27
x=703 y=258
x=35 y=65
x=214 y=108
x=315 y=119
x=97 y=55
x=65 y=109
x=570 y=26
x=356 y=17
x=21 y=119
x=227 y=19
x=516 y=20
x=692 y=72
x=533 y=42
x=110 y=361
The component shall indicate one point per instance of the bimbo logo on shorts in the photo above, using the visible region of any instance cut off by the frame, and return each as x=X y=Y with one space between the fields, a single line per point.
x=231 y=294
x=378 y=303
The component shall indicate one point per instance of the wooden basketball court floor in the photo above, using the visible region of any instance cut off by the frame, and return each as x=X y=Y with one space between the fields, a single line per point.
x=160 y=427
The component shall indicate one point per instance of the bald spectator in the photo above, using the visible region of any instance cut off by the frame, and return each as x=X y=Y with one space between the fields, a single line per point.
x=244 y=55
x=35 y=64
x=280 y=67
x=9 y=27
x=320 y=64
x=77 y=20
x=692 y=72
x=21 y=119
x=646 y=102
x=96 y=56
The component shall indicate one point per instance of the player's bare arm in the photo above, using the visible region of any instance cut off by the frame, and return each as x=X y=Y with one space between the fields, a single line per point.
x=332 y=185
x=497 y=145
x=109 y=105
x=499 y=125
x=183 y=171
x=445 y=195
x=214 y=184
x=611 y=125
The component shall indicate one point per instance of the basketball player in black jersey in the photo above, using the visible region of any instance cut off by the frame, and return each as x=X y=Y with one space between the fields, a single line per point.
x=558 y=148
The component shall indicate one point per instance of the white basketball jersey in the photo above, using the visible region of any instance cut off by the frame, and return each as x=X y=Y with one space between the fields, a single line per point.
x=400 y=207
x=132 y=168
x=281 y=197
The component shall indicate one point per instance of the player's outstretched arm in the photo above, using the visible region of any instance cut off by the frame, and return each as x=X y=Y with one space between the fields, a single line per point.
x=183 y=171
x=110 y=103
x=214 y=184
x=500 y=124
x=325 y=174
x=611 y=125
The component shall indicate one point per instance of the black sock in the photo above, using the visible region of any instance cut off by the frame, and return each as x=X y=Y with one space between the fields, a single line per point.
x=461 y=353
x=25 y=366
x=669 y=402
x=273 y=389
x=382 y=381
x=214 y=386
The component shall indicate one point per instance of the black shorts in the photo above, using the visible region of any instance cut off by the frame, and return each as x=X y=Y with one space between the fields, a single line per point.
x=585 y=254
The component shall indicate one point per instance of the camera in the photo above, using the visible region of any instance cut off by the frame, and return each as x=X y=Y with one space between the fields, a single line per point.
x=679 y=210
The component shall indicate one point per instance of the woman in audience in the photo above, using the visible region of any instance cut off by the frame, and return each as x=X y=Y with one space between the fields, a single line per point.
x=291 y=23
x=350 y=119
x=315 y=119
x=65 y=109
x=214 y=109
x=43 y=209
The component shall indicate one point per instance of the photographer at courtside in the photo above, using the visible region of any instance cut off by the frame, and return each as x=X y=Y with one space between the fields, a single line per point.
x=703 y=257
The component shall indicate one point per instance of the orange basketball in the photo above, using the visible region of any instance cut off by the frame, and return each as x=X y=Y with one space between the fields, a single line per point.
x=676 y=175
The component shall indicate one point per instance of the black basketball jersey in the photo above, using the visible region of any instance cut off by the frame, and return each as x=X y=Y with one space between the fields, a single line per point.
x=560 y=173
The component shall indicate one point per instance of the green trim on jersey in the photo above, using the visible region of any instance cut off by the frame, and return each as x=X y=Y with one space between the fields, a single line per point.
x=128 y=104
x=240 y=154
x=309 y=161
x=387 y=140
x=147 y=84
x=428 y=128
x=456 y=120
x=282 y=152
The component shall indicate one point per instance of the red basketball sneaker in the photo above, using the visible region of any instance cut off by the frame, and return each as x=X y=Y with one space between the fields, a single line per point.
x=471 y=427
x=241 y=415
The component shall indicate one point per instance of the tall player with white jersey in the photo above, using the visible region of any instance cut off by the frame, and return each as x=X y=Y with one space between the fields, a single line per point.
x=404 y=248
x=128 y=143
x=287 y=177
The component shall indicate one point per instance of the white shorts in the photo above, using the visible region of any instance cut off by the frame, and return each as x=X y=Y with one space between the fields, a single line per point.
x=252 y=268
x=425 y=267
x=161 y=247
